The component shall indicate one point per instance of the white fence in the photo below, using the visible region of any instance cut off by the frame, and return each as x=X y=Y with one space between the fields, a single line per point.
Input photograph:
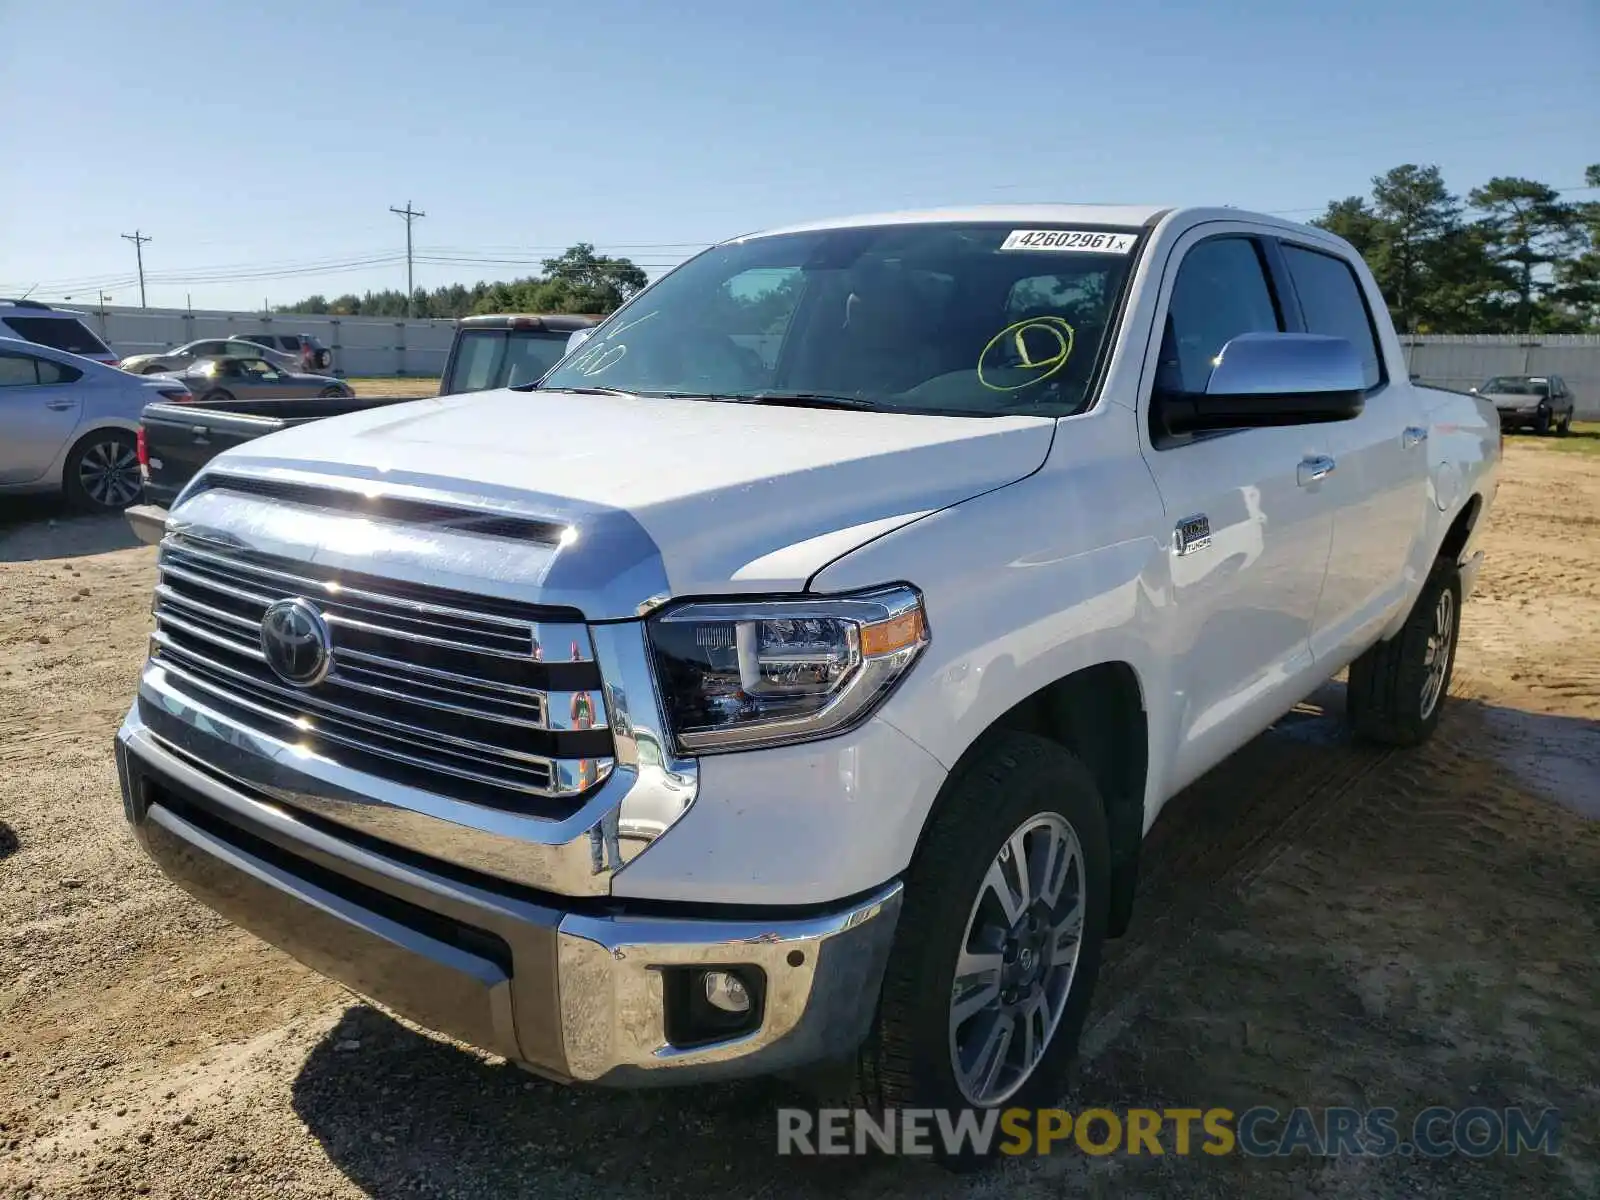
x=360 y=345
x=1462 y=361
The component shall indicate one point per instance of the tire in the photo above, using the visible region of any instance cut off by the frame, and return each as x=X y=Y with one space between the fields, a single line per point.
x=152 y=370
x=216 y=396
x=102 y=472
x=1399 y=687
x=330 y=393
x=1541 y=425
x=1565 y=427
x=1019 y=790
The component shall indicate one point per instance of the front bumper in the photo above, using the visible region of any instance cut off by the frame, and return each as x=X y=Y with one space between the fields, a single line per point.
x=573 y=990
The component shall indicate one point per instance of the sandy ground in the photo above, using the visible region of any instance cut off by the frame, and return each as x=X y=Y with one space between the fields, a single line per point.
x=1321 y=924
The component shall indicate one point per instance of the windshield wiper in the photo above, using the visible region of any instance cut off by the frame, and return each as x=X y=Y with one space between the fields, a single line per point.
x=577 y=391
x=791 y=399
x=812 y=400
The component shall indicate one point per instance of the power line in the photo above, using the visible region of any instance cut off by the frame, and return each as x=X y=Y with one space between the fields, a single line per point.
x=139 y=239
x=410 y=216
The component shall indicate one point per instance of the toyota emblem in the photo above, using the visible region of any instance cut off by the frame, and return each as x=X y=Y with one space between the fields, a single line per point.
x=295 y=640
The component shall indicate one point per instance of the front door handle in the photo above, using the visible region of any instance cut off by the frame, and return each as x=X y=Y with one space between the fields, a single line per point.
x=1314 y=470
x=1414 y=435
x=59 y=405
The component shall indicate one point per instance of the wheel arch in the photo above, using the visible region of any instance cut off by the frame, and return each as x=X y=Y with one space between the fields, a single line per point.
x=1459 y=533
x=84 y=431
x=1097 y=713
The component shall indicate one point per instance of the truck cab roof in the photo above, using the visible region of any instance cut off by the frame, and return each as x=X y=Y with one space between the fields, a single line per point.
x=552 y=322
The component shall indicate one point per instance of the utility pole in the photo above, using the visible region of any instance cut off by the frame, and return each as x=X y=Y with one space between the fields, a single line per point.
x=410 y=216
x=138 y=239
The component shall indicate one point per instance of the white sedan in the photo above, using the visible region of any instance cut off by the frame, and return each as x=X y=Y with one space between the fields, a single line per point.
x=70 y=423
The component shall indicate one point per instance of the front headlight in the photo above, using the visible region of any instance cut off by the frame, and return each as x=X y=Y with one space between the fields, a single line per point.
x=736 y=675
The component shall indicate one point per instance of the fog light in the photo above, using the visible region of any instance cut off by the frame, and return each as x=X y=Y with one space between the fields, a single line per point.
x=727 y=992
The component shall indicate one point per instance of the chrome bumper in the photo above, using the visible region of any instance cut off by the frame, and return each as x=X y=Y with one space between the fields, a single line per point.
x=574 y=995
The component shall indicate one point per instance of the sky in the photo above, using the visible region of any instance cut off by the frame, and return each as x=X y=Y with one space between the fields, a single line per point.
x=262 y=147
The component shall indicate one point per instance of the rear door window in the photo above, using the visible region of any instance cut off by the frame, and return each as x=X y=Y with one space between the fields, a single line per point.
x=59 y=333
x=1332 y=304
x=17 y=371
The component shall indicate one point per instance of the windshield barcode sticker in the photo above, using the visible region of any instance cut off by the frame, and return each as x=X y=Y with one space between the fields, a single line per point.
x=1079 y=240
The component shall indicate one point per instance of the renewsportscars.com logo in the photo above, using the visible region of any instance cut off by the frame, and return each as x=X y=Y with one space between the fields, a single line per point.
x=1261 y=1132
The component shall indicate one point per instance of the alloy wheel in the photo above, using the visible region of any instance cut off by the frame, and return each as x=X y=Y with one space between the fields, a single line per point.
x=109 y=473
x=1436 y=658
x=1018 y=956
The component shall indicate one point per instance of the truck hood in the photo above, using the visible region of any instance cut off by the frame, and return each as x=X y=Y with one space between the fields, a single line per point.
x=651 y=497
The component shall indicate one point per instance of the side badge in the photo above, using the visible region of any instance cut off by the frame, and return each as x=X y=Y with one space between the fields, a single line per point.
x=1193 y=533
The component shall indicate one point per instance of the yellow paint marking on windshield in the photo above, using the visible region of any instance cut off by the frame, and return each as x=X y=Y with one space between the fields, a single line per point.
x=1057 y=337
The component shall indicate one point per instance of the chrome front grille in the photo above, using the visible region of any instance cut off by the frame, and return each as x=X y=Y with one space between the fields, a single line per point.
x=466 y=696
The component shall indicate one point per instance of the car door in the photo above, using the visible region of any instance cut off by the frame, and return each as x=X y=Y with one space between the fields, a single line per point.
x=1250 y=518
x=39 y=410
x=1379 y=486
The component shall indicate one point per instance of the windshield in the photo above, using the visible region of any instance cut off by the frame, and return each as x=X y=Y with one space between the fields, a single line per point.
x=1511 y=385
x=975 y=320
x=492 y=358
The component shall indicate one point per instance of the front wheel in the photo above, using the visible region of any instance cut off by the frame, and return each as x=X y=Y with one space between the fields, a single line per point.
x=1541 y=425
x=102 y=472
x=999 y=941
x=1565 y=427
x=1397 y=688
x=153 y=370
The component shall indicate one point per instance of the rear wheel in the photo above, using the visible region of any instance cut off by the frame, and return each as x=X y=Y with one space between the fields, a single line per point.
x=999 y=939
x=329 y=393
x=217 y=396
x=102 y=472
x=1397 y=688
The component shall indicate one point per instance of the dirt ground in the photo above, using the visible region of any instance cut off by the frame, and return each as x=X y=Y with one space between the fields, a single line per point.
x=1321 y=924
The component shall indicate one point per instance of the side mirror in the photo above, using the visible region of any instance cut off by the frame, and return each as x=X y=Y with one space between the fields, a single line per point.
x=1270 y=379
x=578 y=338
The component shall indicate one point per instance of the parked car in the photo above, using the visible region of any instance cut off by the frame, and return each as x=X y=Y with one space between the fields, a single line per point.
x=181 y=357
x=490 y=351
x=1542 y=403
x=224 y=380
x=57 y=328
x=794 y=674
x=71 y=423
x=309 y=353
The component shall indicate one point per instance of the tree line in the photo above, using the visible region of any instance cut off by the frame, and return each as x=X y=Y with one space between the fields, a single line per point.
x=1512 y=256
x=579 y=281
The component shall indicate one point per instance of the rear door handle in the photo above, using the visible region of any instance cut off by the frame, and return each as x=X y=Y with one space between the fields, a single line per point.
x=1314 y=470
x=1414 y=435
x=59 y=405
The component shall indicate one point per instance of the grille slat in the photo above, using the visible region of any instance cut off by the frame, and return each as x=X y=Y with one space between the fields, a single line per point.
x=433 y=695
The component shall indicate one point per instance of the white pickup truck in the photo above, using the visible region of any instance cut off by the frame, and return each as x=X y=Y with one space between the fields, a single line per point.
x=792 y=675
